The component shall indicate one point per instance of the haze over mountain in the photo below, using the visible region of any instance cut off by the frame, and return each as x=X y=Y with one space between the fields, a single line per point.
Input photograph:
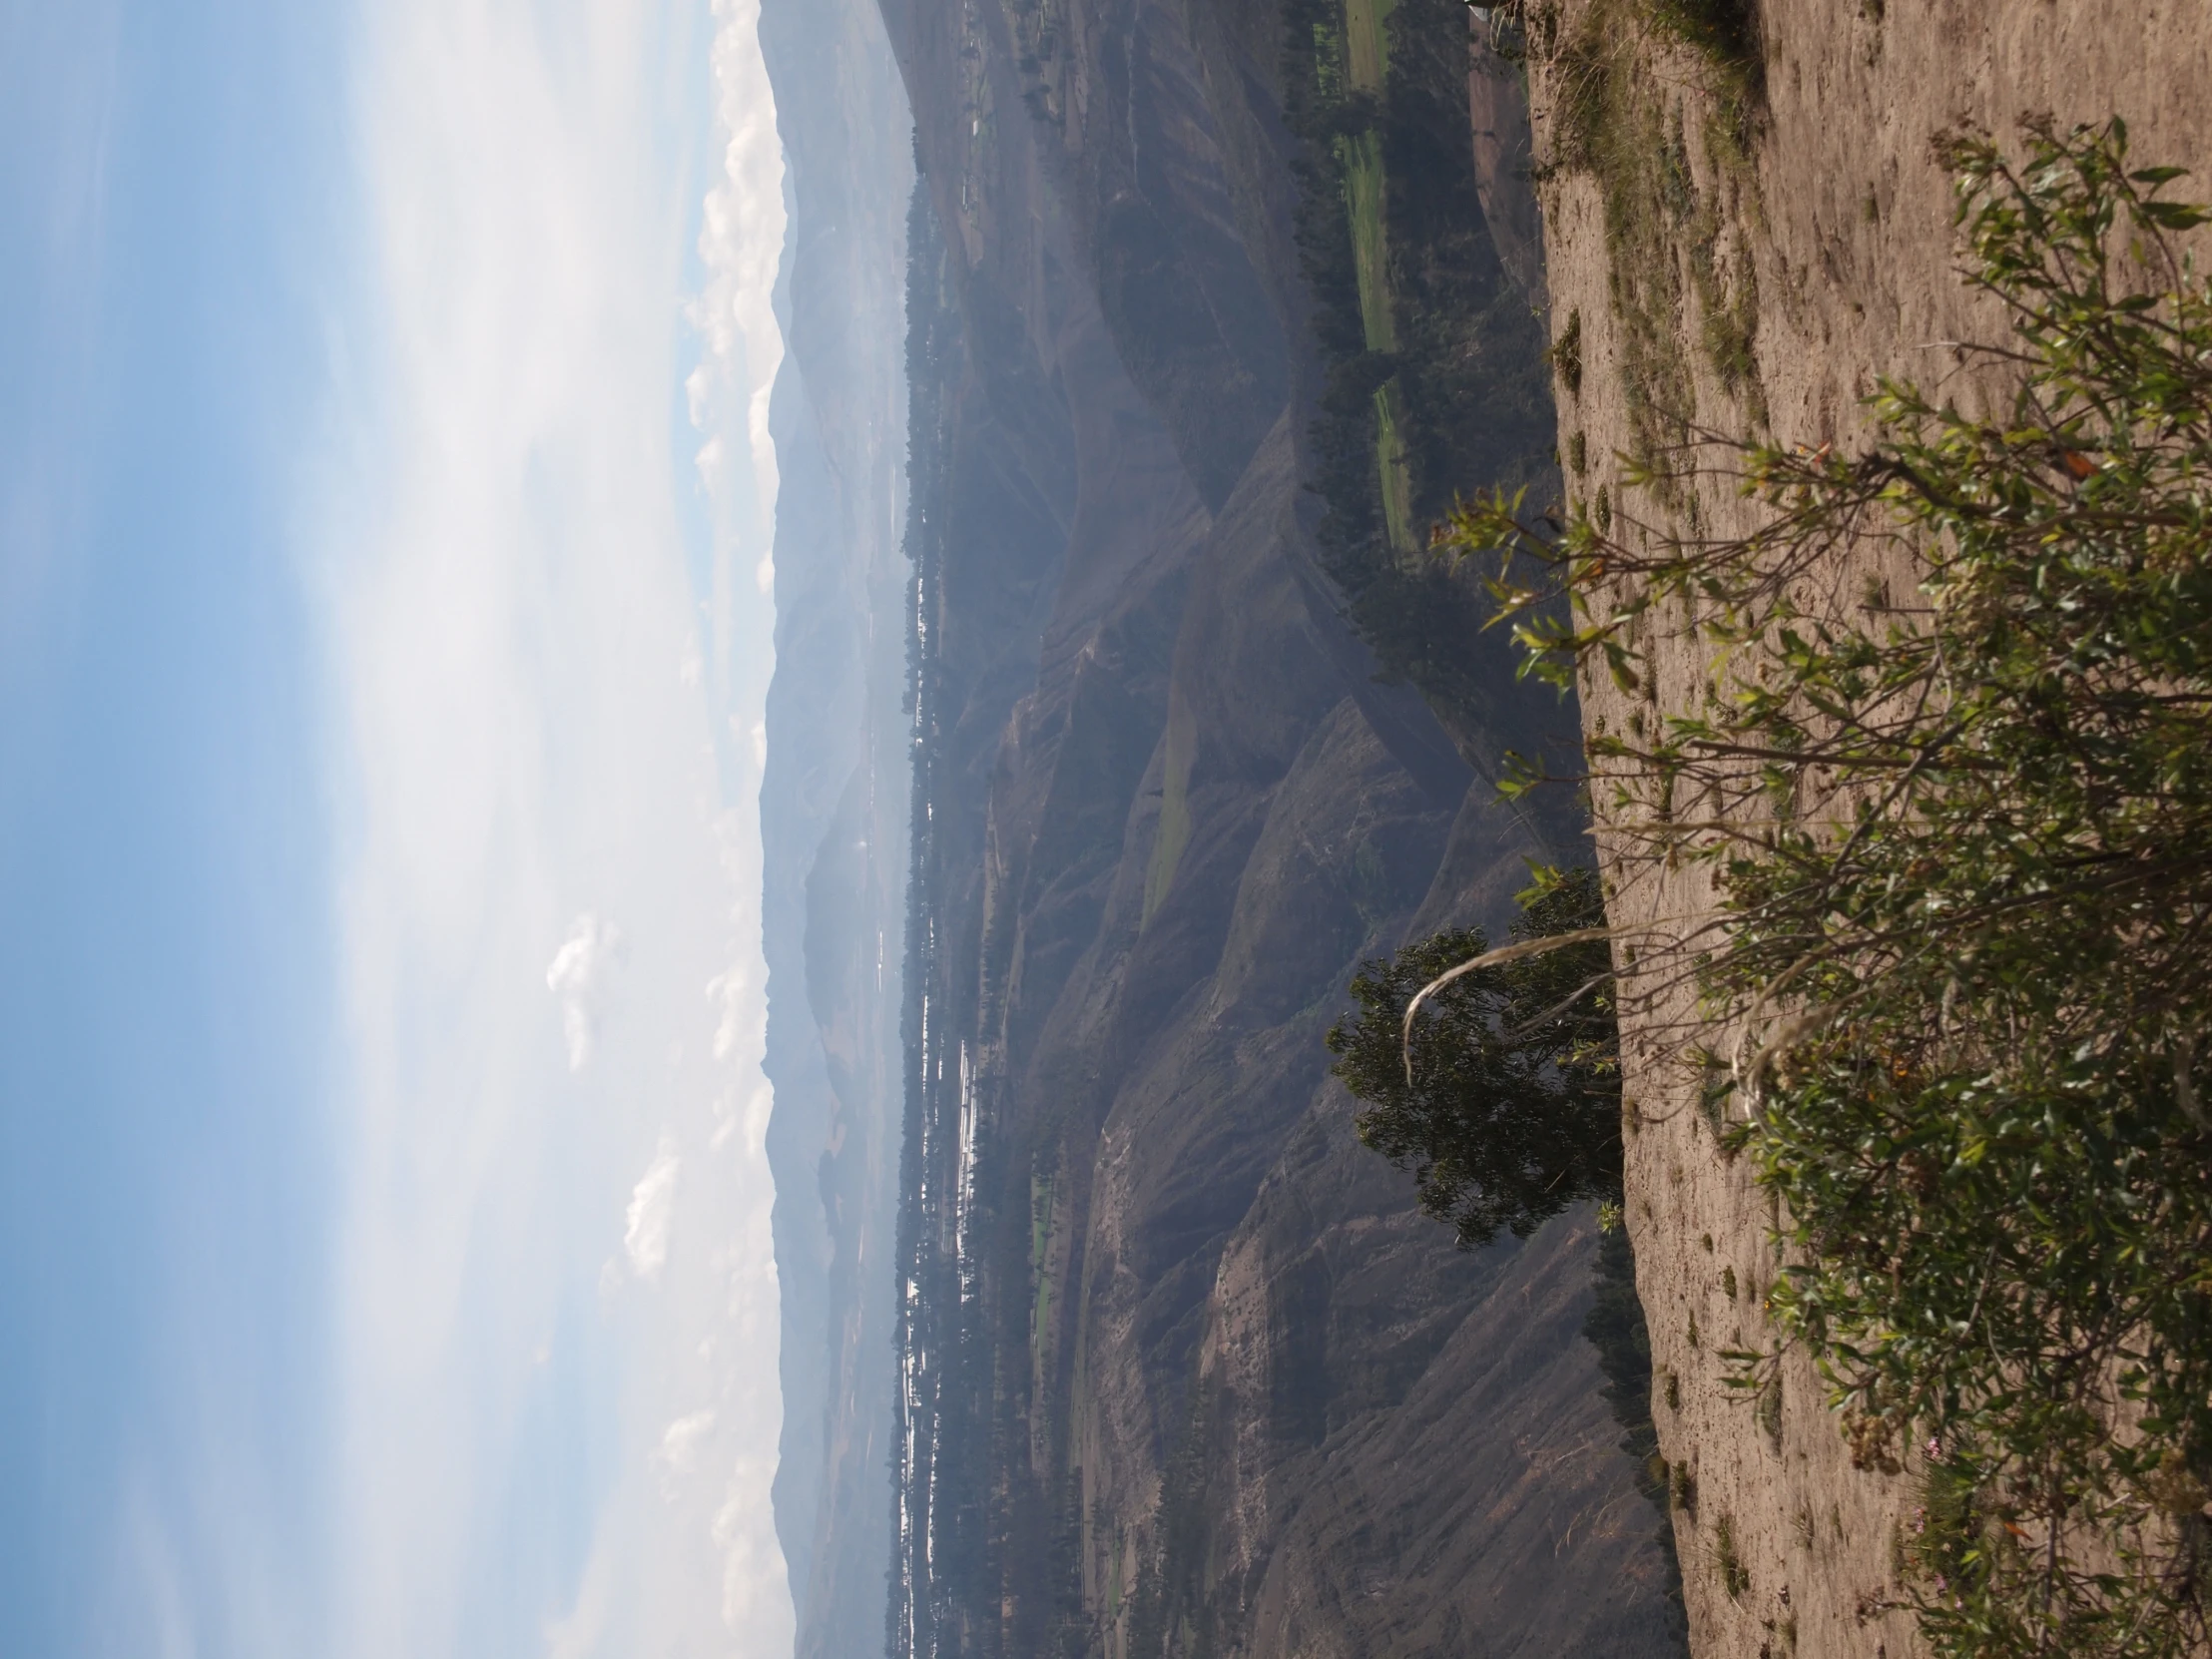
x=835 y=801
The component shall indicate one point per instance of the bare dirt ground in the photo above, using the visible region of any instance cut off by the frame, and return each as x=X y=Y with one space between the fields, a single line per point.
x=1823 y=248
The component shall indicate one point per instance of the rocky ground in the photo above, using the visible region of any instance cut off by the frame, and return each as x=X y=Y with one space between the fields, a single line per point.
x=1810 y=252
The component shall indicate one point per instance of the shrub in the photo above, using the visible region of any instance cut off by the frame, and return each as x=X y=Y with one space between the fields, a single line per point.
x=1962 y=846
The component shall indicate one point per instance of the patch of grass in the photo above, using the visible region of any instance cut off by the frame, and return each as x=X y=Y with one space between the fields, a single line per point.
x=1567 y=354
x=1174 y=833
x=1735 y=1575
x=1711 y=1107
x=1370 y=255
x=1727 y=299
x=1724 y=32
x=1676 y=271
x=1040 y=1220
x=1367 y=42
x=1390 y=464
x=1365 y=187
x=1366 y=191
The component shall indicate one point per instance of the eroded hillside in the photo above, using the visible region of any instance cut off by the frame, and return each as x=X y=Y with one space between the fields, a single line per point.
x=1185 y=1372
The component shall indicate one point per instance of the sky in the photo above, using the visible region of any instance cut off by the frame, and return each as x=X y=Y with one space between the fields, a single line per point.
x=384 y=631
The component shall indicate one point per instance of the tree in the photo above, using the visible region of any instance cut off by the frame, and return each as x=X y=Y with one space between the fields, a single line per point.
x=1503 y=1094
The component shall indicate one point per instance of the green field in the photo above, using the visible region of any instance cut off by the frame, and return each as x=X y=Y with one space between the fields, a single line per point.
x=1397 y=476
x=1367 y=42
x=1366 y=62
x=1040 y=1239
x=1174 y=833
x=1365 y=188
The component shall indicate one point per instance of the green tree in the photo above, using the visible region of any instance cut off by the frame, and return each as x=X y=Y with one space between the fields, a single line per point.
x=1502 y=1094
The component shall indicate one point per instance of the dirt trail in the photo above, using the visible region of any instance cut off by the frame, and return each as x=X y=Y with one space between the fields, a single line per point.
x=1780 y=284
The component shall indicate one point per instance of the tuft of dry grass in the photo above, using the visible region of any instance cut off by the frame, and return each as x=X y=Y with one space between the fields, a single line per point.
x=1658 y=102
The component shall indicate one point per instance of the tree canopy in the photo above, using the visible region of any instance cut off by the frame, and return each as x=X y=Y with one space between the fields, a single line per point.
x=1504 y=1100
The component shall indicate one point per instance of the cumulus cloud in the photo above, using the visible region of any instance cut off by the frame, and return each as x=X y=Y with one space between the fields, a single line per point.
x=577 y=977
x=737 y=1003
x=683 y=1448
x=742 y=246
x=651 y=1213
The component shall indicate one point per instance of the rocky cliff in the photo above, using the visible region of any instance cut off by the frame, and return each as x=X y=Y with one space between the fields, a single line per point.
x=1183 y=1370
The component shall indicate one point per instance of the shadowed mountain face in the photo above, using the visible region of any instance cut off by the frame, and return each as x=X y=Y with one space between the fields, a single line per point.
x=834 y=803
x=1182 y=1369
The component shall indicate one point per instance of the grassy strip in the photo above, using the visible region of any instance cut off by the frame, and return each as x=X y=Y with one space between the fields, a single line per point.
x=1367 y=43
x=1365 y=190
x=1435 y=374
x=1040 y=1240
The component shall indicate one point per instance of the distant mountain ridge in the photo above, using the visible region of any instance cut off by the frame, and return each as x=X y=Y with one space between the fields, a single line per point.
x=835 y=802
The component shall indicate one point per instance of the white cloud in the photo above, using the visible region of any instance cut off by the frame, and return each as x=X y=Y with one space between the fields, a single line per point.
x=506 y=585
x=577 y=977
x=651 y=1213
x=683 y=1444
x=740 y=1011
x=742 y=243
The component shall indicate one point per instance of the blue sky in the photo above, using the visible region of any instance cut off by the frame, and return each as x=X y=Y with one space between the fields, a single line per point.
x=383 y=627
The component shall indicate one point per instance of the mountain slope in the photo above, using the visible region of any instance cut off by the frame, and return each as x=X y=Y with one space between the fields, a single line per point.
x=1183 y=1370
